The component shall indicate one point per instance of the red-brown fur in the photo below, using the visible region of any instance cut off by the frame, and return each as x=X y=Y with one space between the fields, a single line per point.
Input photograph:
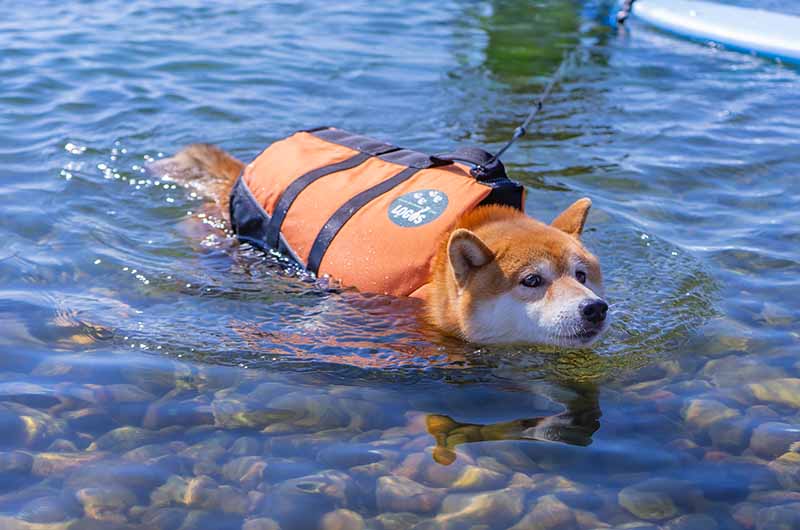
x=514 y=240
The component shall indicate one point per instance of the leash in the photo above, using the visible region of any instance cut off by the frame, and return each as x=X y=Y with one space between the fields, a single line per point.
x=520 y=131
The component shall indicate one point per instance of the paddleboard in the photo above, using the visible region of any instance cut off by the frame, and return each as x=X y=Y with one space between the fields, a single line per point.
x=765 y=33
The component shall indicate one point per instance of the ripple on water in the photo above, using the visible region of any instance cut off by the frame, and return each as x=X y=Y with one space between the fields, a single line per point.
x=155 y=373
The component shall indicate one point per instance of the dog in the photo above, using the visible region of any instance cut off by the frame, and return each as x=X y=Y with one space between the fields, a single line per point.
x=499 y=276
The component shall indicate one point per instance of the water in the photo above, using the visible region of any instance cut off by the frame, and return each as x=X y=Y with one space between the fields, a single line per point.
x=155 y=374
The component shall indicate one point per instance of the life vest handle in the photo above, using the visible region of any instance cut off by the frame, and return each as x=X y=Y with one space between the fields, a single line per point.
x=484 y=166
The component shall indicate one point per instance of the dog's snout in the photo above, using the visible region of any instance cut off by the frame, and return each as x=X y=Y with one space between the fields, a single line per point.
x=594 y=311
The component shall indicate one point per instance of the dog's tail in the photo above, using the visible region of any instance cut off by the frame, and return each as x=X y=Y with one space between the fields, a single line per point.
x=204 y=167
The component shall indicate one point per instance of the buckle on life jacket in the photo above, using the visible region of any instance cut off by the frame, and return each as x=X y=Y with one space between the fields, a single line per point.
x=488 y=169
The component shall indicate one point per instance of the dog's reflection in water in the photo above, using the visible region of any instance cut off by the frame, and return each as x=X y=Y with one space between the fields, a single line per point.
x=574 y=426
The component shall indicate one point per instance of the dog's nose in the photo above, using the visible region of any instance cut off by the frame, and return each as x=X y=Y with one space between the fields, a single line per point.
x=594 y=311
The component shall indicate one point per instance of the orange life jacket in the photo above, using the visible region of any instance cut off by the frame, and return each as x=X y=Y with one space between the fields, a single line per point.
x=361 y=211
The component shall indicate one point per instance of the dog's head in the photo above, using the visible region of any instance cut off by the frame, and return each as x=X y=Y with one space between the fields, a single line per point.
x=519 y=280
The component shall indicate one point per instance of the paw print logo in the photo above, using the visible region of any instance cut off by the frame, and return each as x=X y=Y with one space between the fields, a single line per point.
x=417 y=207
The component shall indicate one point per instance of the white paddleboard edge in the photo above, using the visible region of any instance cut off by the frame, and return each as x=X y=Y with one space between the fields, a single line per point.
x=768 y=34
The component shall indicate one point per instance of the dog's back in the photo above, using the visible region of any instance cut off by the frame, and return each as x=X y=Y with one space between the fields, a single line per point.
x=204 y=167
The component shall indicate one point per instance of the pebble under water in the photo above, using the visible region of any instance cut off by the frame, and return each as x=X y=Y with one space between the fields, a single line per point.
x=156 y=374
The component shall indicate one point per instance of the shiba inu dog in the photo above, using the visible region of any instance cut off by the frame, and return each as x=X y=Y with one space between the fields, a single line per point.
x=499 y=276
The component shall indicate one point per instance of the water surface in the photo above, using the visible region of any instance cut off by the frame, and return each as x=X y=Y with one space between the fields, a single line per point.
x=156 y=374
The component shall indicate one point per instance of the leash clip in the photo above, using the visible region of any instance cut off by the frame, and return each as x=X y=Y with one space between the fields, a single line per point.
x=479 y=172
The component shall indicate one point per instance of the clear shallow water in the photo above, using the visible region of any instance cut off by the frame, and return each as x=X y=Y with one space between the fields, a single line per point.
x=155 y=374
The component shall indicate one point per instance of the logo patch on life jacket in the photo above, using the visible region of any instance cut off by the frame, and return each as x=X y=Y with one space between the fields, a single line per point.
x=417 y=208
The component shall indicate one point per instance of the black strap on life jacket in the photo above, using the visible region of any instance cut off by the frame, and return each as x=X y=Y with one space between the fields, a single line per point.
x=294 y=189
x=346 y=211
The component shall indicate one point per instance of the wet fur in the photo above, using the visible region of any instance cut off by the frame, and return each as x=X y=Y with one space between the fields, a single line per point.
x=475 y=291
x=207 y=168
x=483 y=307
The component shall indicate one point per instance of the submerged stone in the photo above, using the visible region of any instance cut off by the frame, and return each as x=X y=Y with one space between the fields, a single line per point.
x=731 y=434
x=347 y=455
x=164 y=518
x=202 y=493
x=694 y=521
x=548 y=513
x=208 y=450
x=736 y=371
x=14 y=523
x=362 y=414
x=401 y=494
x=785 y=517
x=745 y=514
x=317 y=411
x=280 y=469
x=261 y=523
x=498 y=508
x=246 y=446
x=158 y=378
x=787 y=470
x=647 y=502
x=585 y=520
x=478 y=478
x=199 y=492
x=342 y=519
x=236 y=413
x=150 y=451
x=124 y=439
x=784 y=391
x=772 y=439
x=300 y=503
x=120 y=393
x=106 y=504
x=139 y=478
x=265 y=392
x=245 y=470
x=58 y=464
x=167 y=412
x=171 y=492
x=25 y=426
x=62 y=446
x=49 y=509
x=394 y=521
x=700 y=414
x=13 y=466
x=90 y=420
x=774 y=497
x=29 y=394
x=210 y=520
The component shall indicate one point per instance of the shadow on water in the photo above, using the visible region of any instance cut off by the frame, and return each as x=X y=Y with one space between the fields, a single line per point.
x=574 y=426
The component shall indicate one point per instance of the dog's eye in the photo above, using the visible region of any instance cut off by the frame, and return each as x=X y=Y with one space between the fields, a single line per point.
x=532 y=280
x=580 y=276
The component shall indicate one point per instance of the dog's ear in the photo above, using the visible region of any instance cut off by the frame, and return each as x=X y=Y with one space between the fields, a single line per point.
x=466 y=252
x=573 y=218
